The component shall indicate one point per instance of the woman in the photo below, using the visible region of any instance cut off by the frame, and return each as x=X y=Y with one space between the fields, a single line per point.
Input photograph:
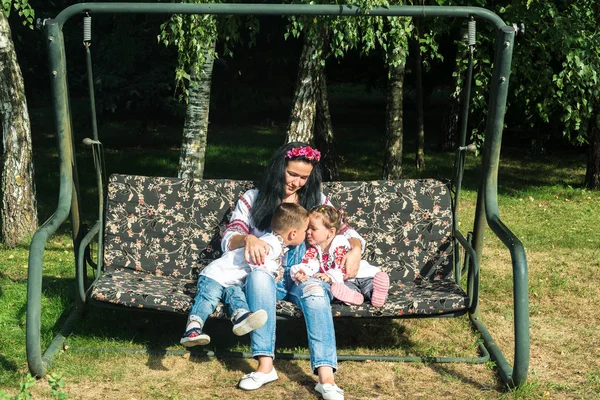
x=292 y=176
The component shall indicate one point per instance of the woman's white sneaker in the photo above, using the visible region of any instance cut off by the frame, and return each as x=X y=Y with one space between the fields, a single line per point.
x=255 y=380
x=329 y=391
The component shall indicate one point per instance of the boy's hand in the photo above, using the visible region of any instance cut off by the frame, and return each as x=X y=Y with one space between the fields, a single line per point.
x=279 y=275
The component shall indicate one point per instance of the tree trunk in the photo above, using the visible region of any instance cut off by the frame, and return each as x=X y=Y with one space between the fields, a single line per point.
x=420 y=151
x=592 y=174
x=451 y=119
x=195 y=128
x=302 y=116
x=324 y=138
x=19 y=208
x=394 y=130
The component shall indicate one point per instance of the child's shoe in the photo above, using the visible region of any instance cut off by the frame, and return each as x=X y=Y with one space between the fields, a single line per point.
x=194 y=337
x=381 y=286
x=345 y=294
x=249 y=322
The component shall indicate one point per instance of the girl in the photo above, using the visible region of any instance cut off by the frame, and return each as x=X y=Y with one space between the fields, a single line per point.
x=323 y=260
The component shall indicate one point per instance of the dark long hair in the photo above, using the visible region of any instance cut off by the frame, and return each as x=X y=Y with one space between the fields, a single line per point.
x=272 y=186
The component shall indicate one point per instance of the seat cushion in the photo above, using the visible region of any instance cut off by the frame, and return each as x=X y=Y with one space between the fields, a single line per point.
x=140 y=289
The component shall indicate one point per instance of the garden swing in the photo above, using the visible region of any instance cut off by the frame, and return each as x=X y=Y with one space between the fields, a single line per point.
x=137 y=208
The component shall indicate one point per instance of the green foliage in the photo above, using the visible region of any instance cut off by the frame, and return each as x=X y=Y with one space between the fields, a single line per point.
x=576 y=89
x=364 y=33
x=556 y=63
x=23 y=9
x=56 y=383
x=194 y=37
x=24 y=393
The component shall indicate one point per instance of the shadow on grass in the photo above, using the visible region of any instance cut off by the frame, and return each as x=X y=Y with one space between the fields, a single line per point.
x=8 y=365
x=156 y=334
x=443 y=370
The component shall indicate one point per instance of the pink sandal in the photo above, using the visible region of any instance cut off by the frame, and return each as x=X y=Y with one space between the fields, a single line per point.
x=381 y=286
x=345 y=294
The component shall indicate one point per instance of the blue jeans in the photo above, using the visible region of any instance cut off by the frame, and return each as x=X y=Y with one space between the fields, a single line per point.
x=209 y=293
x=313 y=297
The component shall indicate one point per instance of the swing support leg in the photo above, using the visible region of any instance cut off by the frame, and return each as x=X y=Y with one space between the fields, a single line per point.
x=67 y=202
x=487 y=210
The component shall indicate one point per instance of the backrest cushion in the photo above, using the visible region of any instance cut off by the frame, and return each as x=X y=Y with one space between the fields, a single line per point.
x=407 y=224
x=173 y=226
x=167 y=226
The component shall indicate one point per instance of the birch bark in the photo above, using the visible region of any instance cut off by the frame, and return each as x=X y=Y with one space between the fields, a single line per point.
x=304 y=106
x=195 y=128
x=392 y=163
x=19 y=208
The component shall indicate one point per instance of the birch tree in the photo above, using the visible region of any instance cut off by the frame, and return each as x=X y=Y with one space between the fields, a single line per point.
x=19 y=209
x=310 y=119
x=195 y=37
x=326 y=37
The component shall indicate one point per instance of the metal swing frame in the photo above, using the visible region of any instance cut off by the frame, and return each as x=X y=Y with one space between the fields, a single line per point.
x=487 y=198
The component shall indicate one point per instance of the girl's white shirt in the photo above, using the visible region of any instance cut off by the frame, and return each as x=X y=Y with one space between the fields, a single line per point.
x=316 y=260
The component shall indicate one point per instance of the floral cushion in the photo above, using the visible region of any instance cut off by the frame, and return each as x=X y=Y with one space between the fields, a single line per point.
x=167 y=226
x=139 y=289
x=160 y=232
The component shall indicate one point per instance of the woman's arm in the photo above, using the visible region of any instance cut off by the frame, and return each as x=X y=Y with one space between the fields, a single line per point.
x=351 y=259
x=237 y=234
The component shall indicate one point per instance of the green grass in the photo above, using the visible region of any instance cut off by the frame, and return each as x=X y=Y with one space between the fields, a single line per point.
x=540 y=198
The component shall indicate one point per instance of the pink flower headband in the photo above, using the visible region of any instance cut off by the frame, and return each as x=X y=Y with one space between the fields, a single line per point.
x=306 y=152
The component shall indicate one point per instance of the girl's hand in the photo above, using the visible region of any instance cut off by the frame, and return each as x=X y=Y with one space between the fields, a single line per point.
x=352 y=261
x=300 y=276
x=255 y=250
x=323 y=277
x=279 y=275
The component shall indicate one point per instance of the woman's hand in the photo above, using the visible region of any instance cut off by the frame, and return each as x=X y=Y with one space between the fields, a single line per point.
x=323 y=277
x=351 y=261
x=255 y=250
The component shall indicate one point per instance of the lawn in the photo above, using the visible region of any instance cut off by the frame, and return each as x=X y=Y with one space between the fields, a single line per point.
x=540 y=200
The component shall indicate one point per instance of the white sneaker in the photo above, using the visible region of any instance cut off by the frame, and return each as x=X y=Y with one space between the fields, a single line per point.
x=255 y=380
x=249 y=322
x=329 y=391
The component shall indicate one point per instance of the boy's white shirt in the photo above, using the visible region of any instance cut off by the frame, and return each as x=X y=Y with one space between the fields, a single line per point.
x=232 y=268
x=312 y=266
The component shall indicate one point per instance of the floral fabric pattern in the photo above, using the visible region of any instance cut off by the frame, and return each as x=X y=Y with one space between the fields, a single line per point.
x=160 y=232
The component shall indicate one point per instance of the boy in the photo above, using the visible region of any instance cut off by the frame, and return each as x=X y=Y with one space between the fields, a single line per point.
x=223 y=278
